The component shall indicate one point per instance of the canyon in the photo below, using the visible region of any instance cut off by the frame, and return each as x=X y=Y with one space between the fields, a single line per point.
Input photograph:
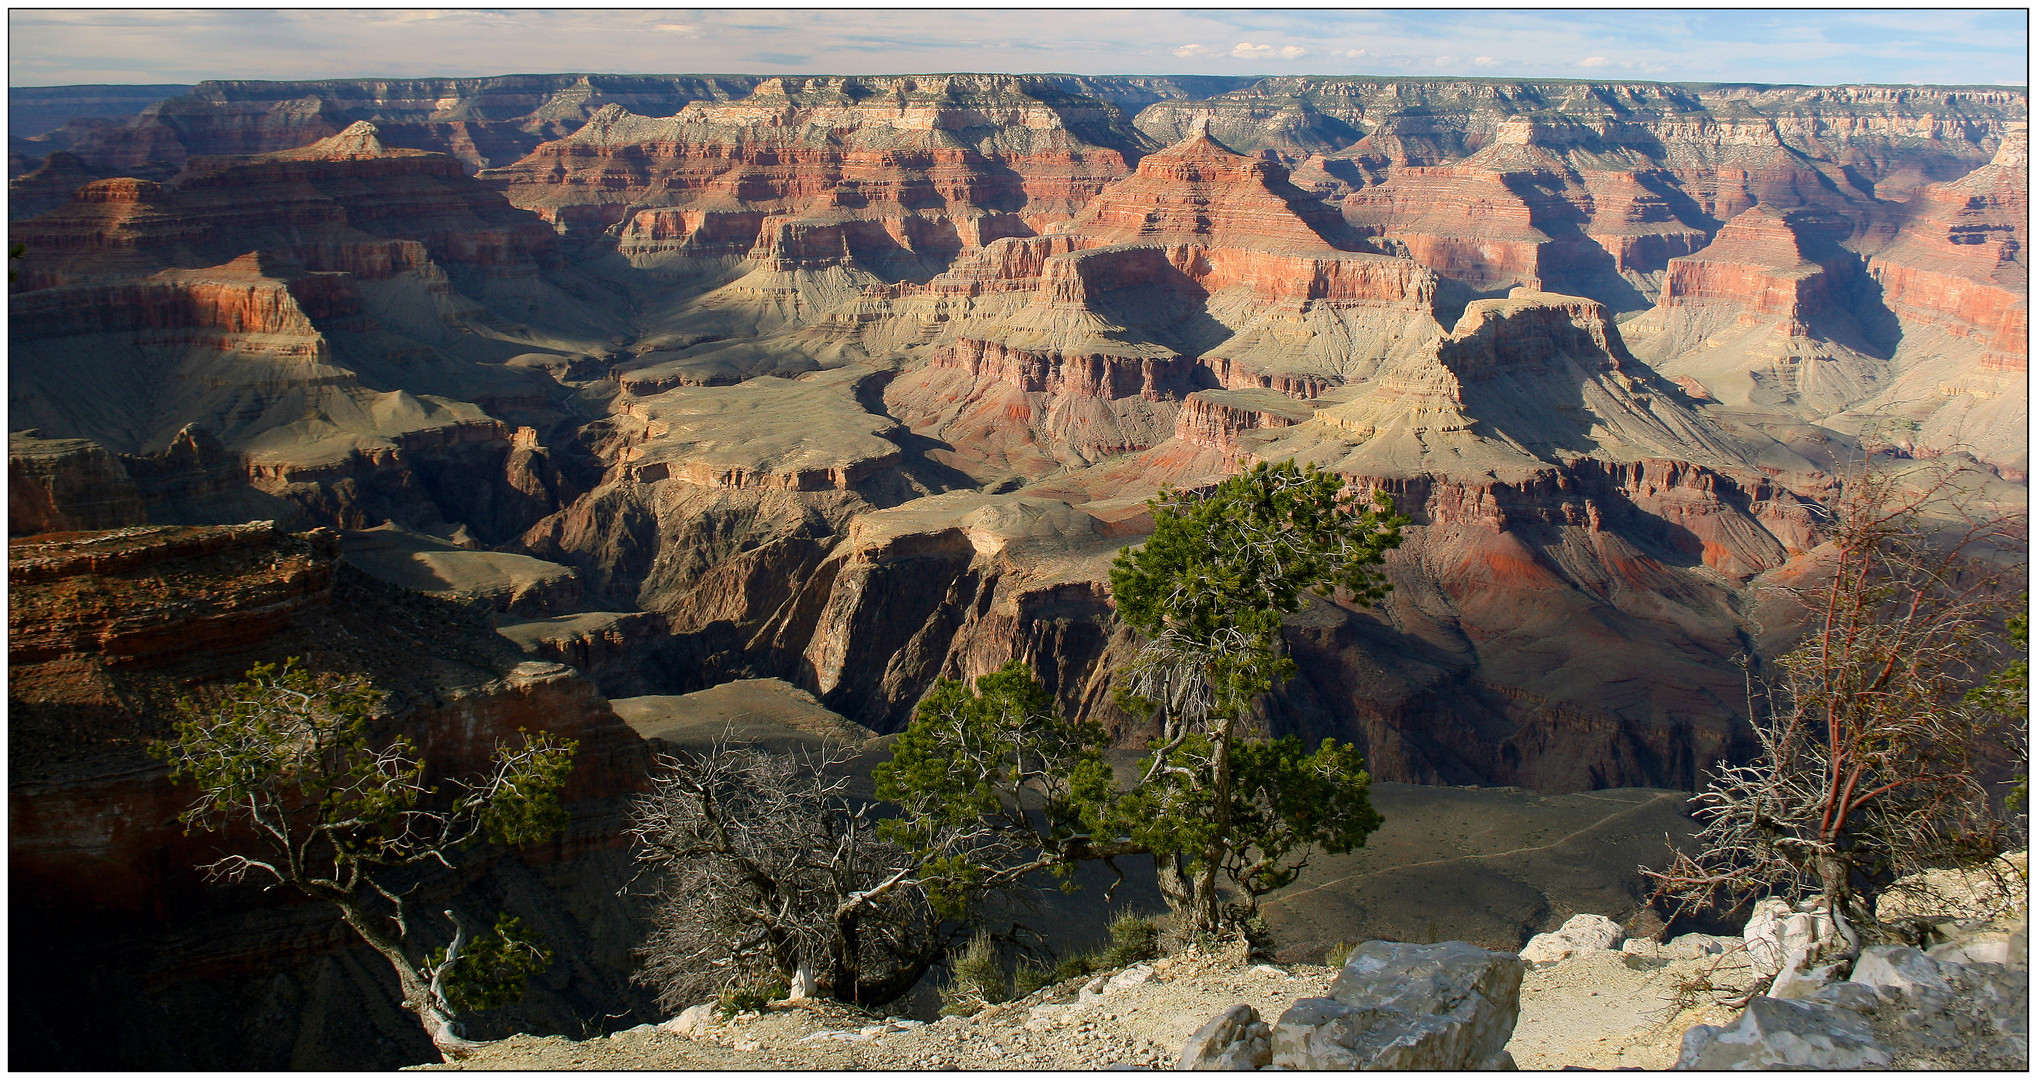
x=618 y=388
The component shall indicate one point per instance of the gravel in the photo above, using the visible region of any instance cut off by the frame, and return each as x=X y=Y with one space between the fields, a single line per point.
x=1600 y=1010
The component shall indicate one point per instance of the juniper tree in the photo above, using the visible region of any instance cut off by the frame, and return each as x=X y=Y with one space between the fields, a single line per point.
x=1208 y=591
x=993 y=785
x=286 y=766
x=768 y=869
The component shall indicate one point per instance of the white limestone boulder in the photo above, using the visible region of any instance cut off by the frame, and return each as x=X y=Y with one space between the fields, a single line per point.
x=1395 y=1005
x=692 y=1021
x=1581 y=933
x=1776 y=930
x=1236 y=1039
x=1777 y=1034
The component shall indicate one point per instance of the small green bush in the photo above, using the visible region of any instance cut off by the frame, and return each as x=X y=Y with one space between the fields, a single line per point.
x=755 y=997
x=1031 y=977
x=978 y=981
x=1133 y=938
x=1339 y=953
x=1074 y=967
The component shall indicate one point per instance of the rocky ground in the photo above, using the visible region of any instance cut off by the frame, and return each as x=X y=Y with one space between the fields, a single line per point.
x=1605 y=1010
x=1609 y=1010
x=1588 y=999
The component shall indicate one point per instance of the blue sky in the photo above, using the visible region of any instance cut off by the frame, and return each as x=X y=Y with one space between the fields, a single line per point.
x=1888 y=45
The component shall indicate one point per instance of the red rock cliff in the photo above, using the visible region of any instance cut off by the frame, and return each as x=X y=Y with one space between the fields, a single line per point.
x=1960 y=258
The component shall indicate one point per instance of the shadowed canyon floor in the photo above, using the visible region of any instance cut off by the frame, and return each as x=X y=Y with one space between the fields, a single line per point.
x=1492 y=866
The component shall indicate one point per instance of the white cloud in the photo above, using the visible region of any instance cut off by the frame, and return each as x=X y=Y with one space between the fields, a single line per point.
x=1246 y=50
x=416 y=15
x=1445 y=61
x=138 y=44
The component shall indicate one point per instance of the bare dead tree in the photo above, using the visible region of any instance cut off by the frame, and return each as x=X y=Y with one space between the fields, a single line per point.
x=766 y=869
x=1870 y=759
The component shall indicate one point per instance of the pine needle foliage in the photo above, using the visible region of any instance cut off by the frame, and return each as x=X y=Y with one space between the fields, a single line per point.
x=1208 y=591
x=288 y=760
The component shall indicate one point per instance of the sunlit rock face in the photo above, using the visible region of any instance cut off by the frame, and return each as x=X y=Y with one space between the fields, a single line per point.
x=858 y=382
x=336 y=315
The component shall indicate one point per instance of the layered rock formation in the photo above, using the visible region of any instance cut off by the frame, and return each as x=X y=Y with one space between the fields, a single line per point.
x=1968 y=231
x=846 y=294
x=1580 y=183
x=1545 y=204
x=1563 y=499
x=1578 y=530
x=67 y=485
x=347 y=203
x=1590 y=188
x=1922 y=345
x=1774 y=314
x=1218 y=419
x=48 y=185
x=315 y=309
x=1521 y=382
x=808 y=434
x=1204 y=269
x=1959 y=269
x=481 y=121
x=897 y=170
x=38 y=110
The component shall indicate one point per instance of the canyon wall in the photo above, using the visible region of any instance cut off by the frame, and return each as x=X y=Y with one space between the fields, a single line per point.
x=314 y=310
x=112 y=629
x=1565 y=186
x=862 y=382
x=746 y=316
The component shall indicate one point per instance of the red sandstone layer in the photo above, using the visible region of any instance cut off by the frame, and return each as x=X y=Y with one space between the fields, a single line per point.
x=1198 y=191
x=1758 y=263
x=1214 y=419
x=943 y=174
x=1959 y=260
x=348 y=204
x=1148 y=378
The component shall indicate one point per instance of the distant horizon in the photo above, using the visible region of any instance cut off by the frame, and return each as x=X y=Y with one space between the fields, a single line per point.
x=1963 y=48
x=2021 y=87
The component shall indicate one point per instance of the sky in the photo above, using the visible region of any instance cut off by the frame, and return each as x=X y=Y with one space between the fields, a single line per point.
x=54 y=46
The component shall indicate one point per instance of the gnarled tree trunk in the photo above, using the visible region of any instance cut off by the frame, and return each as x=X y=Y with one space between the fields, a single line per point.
x=424 y=997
